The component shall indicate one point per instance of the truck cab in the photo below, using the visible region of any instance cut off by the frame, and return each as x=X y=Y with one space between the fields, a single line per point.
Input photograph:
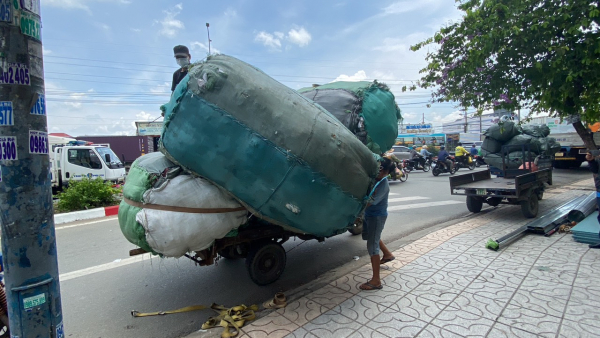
x=74 y=162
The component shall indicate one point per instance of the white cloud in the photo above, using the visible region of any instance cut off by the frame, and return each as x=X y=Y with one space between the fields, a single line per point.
x=361 y=75
x=170 y=26
x=279 y=35
x=46 y=51
x=301 y=37
x=197 y=45
x=268 y=40
x=400 y=7
x=136 y=30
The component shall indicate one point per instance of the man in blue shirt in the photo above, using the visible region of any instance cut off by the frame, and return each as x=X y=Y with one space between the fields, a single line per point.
x=375 y=217
x=474 y=152
x=443 y=157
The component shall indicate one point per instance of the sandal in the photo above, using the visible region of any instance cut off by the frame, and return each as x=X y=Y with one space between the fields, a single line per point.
x=387 y=260
x=278 y=302
x=368 y=287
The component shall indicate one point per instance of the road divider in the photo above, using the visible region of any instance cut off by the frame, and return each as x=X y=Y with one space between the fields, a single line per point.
x=85 y=214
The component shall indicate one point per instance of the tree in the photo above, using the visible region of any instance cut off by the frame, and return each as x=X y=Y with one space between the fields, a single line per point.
x=542 y=55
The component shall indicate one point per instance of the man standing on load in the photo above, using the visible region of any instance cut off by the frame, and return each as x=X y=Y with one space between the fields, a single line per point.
x=183 y=57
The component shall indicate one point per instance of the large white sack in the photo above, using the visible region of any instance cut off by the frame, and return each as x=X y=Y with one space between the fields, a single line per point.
x=175 y=233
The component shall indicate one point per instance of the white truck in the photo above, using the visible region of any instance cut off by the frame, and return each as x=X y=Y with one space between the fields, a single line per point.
x=73 y=160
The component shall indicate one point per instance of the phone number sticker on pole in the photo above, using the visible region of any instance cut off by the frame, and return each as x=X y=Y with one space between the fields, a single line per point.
x=8 y=148
x=31 y=25
x=38 y=142
x=15 y=73
x=5 y=10
x=6 y=113
x=32 y=6
x=39 y=108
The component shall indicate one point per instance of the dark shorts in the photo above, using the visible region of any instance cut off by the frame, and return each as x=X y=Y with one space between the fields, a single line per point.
x=372 y=229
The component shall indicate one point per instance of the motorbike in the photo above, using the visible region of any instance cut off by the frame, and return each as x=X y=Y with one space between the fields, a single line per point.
x=399 y=173
x=438 y=167
x=479 y=161
x=415 y=164
x=465 y=163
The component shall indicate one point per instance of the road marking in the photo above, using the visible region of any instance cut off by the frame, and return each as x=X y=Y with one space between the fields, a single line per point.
x=421 y=205
x=394 y=193
x=402 y=199
x=99 y=268
x=87 y=223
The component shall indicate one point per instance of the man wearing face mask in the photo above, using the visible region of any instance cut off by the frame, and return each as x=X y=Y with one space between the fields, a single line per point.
x=183 y=57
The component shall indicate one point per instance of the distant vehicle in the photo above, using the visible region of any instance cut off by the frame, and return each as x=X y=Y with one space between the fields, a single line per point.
x=401 y=152
x=127 y=148
x=74 y=161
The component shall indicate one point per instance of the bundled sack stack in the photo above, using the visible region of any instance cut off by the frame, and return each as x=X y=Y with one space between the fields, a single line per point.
x=367 y=109
x=509 y=133
x=166 y=211
x=285 y=158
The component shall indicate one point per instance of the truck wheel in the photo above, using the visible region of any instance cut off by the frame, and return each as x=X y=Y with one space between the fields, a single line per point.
x=265 y=262
x=474 y=204
x=529 y=207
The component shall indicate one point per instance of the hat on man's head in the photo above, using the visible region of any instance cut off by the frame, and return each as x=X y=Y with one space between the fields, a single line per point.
x=181 y=50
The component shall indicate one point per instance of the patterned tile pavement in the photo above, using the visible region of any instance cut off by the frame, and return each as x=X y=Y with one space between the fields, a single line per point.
x=447 y=284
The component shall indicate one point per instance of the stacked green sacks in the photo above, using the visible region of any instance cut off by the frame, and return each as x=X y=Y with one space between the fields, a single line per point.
x=518 y=141
x=169 y=212
x=367 y=109
x=285 y=158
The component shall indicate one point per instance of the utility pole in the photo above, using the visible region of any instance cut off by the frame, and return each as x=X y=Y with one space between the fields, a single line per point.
x=466 y=123
x=480 y=129
x=423 y=121
x=26 y=210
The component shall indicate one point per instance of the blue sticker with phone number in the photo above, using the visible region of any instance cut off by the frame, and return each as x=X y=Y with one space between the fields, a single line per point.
x=39 y=108
x=15 y=73
x=5 y=10
x=8 y=148
x=38 y=142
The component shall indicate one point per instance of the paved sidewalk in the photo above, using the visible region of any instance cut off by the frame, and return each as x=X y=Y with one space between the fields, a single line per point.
x=447 y=284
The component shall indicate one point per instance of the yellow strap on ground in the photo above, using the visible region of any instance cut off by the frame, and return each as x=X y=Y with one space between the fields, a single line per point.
x=231 y=319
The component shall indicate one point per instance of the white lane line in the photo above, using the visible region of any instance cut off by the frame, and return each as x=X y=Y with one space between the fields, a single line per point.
x=421 y=205
x=403 y=199
x=99 y=268
x=106 y=219
x=394 y=193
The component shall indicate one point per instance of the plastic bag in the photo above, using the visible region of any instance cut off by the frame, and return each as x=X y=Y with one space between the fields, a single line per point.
x=504 y=131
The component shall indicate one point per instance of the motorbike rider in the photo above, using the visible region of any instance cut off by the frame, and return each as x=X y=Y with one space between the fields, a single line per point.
x=424 y=151
x=415 y=157
x=444 y=158
x=474 y=151
x=397 y=163
x=461 y=154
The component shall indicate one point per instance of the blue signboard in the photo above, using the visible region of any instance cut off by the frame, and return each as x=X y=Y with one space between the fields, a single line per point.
x=6 y=113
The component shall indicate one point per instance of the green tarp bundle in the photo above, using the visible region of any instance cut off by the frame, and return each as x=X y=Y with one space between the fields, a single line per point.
x=367 y=109
x=285 y=158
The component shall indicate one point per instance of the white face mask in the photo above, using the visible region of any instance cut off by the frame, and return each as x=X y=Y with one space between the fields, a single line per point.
x=182 y=62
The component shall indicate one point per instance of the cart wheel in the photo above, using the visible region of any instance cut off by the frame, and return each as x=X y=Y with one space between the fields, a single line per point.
x=529 y=207
x=265 y=262
x=357 y=228
x=474 y=204
x=494 y=201
x=540 y=194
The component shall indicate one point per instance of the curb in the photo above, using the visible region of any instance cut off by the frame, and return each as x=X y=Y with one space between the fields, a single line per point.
x=85 y=214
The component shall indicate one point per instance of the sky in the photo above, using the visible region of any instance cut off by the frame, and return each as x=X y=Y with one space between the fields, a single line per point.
x=109 y=63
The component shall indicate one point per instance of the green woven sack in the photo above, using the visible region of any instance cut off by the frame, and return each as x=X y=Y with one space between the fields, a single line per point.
x=284 y=157
x=367 y=109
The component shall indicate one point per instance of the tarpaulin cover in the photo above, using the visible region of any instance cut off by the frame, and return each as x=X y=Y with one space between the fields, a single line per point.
x=524 y=140
x=368 y=109
x=503 y=131
x=490 y=146
x=284 y=157
x=549 y=145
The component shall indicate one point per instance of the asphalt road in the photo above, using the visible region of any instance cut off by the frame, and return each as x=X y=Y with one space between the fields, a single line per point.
x=100 y=284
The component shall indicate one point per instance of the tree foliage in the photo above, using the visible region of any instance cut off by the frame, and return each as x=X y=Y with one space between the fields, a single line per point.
x=543 y=55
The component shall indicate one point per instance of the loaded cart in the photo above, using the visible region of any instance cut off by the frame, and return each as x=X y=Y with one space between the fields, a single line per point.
x=523 y=185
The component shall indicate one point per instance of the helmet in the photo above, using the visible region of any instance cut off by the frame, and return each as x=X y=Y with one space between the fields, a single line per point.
x=460 y=144
x=473 y=145
x=424 y=147
x=442 y=148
